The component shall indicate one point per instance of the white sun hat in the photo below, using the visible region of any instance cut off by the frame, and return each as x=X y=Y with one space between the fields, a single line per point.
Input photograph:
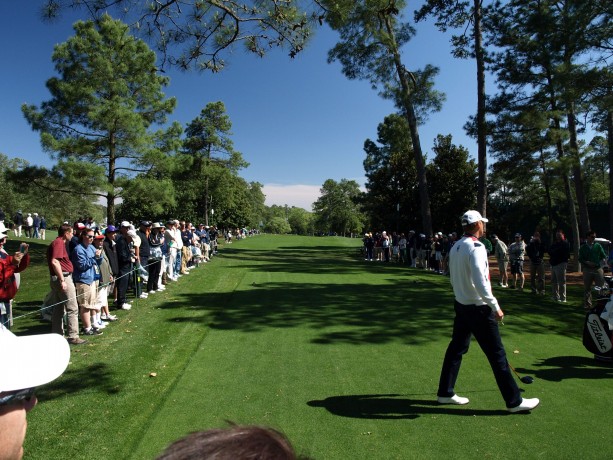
x=31 y=360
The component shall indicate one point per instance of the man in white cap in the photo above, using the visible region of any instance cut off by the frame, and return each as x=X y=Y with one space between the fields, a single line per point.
x=477 y=313
x=30 y=361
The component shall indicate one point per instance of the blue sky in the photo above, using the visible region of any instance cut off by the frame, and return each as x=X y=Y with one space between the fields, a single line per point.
x=296 y=121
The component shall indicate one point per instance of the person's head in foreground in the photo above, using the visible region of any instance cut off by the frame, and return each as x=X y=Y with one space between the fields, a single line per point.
x=233 y=443
x=29 y=361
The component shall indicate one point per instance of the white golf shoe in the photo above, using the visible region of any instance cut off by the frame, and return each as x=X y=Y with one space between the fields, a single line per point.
x=525 y=405
x=455 y=399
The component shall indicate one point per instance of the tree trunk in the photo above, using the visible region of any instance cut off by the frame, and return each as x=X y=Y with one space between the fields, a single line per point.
x=420 y=164
x=110 y=197
x=547 y=185
x=570 y=201
x=481 y=126
x=584 y=218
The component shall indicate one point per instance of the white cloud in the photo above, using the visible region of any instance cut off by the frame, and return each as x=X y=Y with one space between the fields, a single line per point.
x=299 y=195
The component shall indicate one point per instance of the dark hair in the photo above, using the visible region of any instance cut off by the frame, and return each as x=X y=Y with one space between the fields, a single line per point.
x=235 y=442
x=63 y=229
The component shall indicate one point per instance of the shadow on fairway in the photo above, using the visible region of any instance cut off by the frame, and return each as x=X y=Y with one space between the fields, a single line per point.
x=400 y=304
x=97 y=376
x=392 y=406
x=339 y=313
x=560 y=368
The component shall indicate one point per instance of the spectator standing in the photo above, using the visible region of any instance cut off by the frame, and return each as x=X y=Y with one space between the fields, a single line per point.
x=143 y=252
x=9 y=266
x=402 y=247
x=411 y=248
x=476 y=313
x=125 y=259
x=29 y=225
x=501 y=251
x=591 y=257
x=170 y=238
x=77 y=229
x=18 y=223
x=385 y=245
x=179 y=242
x=156 y=238
x=35 y=226
x=43 y=228
x=517 y=249
x=106 y=280
x=559 y=253
x=536 y=250
x=63 y=295
x=110 y=249
x=85 y=268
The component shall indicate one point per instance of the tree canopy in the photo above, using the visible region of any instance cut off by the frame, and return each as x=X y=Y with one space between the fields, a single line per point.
x=103 y=108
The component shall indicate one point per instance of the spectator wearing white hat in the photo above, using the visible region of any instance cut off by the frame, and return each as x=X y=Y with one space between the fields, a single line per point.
x=32 y=361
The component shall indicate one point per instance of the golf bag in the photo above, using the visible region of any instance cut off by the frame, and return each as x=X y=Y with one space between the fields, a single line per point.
x=597 y=330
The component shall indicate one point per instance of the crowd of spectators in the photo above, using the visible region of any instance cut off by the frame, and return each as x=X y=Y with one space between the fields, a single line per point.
x=31 y=226
x=413 y=249
x=94 y=270
x=431 y=253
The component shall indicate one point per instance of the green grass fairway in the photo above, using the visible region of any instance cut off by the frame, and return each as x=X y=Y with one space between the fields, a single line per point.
x=343 y=355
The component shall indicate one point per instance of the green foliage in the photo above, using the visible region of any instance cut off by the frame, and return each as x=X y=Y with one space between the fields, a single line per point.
x=208 y=139
x=452 y=178
x=543 y=67
x=301 y=221
x=60 y=194
x=336 y=210
x=277 y=225
x=370 y=49
x=107 y=97
x=391 y=176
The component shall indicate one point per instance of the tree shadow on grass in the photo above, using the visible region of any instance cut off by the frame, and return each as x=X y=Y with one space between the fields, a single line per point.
x=392 y=407
x=340 y=313
x=558 y=368
x=412 y=311
x=315 y=260
x=77 y=379
x=401 y=304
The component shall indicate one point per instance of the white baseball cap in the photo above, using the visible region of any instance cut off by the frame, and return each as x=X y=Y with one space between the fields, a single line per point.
x=470 y=217
x=31 y=360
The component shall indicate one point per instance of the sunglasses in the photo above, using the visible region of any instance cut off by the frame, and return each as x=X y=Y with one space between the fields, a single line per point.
x=16 y=397
x=91 y=237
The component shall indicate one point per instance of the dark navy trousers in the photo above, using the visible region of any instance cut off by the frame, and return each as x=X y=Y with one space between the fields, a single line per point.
x=477 y=320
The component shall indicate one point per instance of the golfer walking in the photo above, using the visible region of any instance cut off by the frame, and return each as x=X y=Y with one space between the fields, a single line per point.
x=477 y=313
